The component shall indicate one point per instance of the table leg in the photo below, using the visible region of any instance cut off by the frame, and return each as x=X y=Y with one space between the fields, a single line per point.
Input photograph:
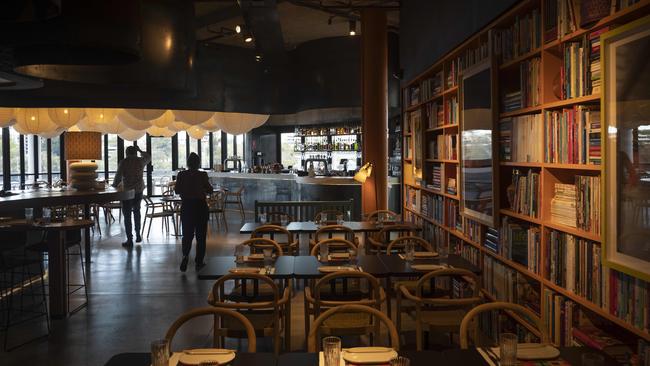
x=57 y=274
x=287 y=319
x=87 y=235
x=389 y=288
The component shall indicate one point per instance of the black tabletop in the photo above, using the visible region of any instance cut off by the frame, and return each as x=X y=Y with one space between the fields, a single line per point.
x=398 y=267
x=307 y=266
x=144 y=359
x=219 y=266
x=249 y=227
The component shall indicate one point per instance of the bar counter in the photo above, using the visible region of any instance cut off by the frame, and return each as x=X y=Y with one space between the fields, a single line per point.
x=290 y=187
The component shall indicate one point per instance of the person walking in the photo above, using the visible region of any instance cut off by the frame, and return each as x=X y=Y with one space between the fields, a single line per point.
x=129 y=175
x=193 y=185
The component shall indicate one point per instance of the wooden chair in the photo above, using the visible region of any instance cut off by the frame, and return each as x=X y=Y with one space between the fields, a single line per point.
x=341 y=288
x=379 y=242
x=283 y=237
x=217 y=313
x=398 y=245
x=528 y=314
x=266 y=315
x=314 y=345
x=160 y=210
x=373 y=216
x=333 y=231
x=438 y=313
x=216 y=208
x=275 y=217
x=235 y=198
x=108 y=208
x=339 y=244
x=330 y=216
x=257 y=245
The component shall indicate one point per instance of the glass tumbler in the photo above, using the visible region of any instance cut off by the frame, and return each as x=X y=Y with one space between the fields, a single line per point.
x=262 y=218
x=29 y=215
x=508 y=349
x=339 y=219
x=160 y=353
x=284 y=220
x=239 y=253
x=331 y=351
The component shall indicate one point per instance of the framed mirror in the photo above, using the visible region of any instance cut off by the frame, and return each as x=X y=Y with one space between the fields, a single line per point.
x=478 y=163
x=625 y=52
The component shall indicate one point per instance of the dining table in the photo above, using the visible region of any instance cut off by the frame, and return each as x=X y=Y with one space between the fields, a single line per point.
x=56 y=246
x=50 y=197
x=310 y=227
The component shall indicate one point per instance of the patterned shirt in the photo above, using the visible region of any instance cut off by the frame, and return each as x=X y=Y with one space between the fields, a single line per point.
x=129 y=172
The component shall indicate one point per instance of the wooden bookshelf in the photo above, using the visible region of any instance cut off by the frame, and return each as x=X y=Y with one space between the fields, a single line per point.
x=550 y=56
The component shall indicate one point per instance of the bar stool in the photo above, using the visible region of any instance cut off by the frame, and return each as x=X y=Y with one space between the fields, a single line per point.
x=235 y=198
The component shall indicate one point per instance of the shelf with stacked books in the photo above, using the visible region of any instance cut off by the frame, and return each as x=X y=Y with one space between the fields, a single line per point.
x=530 y=219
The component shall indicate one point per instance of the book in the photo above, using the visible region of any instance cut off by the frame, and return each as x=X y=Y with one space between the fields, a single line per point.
x=572 y=135
x=451 y=186
x=563 y=204
x=588 y=214
x=521 y=37
x=520 y=137
x=521 y=243
x=525 y=199
x=529 y=72
x=506 y=284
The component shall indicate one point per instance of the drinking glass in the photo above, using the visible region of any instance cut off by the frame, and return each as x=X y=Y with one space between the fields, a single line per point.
x=380 y=219
x=239 y=253
x=409 y=251
x=339 y=219
x=324 y=252
x=323 y=218
x=29 y=215
x=508 y=349
x=262 y=218
x=331 y=351
x=400 y=361
x=160 y=353
x=284 y=220
x=592 y=359
x=47 y=215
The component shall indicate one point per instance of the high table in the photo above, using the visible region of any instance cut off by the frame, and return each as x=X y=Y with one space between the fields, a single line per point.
x=56 y=245
x=46 y=197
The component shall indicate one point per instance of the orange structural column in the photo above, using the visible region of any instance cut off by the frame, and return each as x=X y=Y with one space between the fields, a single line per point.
x=374 y=100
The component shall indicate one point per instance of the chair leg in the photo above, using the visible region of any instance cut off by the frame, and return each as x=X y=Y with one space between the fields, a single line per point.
x=149 y=230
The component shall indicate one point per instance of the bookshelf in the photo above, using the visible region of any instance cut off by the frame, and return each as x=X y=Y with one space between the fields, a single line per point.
x=554 y=105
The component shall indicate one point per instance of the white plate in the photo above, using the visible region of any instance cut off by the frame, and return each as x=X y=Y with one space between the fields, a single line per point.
x=329 y=269
x=368 y=355
x=534 y=351
x=194 y=359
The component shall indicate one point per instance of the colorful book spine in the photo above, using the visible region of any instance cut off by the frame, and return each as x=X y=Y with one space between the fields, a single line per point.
x=572 y=136
x=525 y=200
x=627 y=298
x=520 y=38
x=520 y=137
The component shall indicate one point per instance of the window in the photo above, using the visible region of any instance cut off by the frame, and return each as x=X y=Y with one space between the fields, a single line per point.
x=42 y=159
x=205 y=152
x=241 y=152
x=287 y=155
x=194 y=145
x=112 y=156
x=100 y=162
x=162 y=163
x=56 y=159
x=216 y=149
x=182 y=152
x=2 y=172
x=230 y=145
x=14 y=153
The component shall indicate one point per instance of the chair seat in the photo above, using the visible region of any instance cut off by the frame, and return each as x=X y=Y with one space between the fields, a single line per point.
x=347 y=323
x=446 y=319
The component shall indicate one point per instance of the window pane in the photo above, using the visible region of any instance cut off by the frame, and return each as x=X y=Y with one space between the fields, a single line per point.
x=287 y=155
x=100 y=162
x=162 y=163
x=216 y=150
x=31 y=150
x=56 y=159
x=230 y=146
x=42 y=161
x=14 y=151
x=205 y=152
x=112 y=156
x=240 y=146
x=182 y=155
x=194 y=145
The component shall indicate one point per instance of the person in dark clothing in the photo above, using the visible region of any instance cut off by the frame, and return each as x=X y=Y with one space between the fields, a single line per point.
x=193 y=185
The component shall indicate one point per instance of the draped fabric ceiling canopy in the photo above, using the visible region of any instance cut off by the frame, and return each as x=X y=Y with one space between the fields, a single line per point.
x=130 y=124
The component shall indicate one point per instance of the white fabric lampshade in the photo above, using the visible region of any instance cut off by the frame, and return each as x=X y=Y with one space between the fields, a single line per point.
x=114 y=127
x=7 y=117
x=145 y=114
x=165 y=120
x=133 y=123
x=178 y=126
x=65 y=117
x=239 y=123
x=160 y=131
x=33 y=121
x=131 y=135
x=52 y=134
x=196 y=132
x=214 y=123
x=193 y=117
x=101 y=115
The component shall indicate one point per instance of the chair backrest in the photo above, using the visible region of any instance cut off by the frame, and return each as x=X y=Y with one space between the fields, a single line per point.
x=274 y=233
x=303 y=210
x=466 y=275
x=275 y=217
x=314 y=346
x=373 y=216
x=373 y=299
x=250 y=332
x=332 y=231
x=330 y=215
x=220 y=298
x=258 y=244
x=398 y=244
x=334 y=243
x=391 y=232
x=147 y=200
x=528 y=314
x=216 y=199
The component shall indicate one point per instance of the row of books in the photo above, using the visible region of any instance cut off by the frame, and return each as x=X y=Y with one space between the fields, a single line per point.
x=412 y=95
x=519 y=138
x=451 y=110
x=523 y=36
x=574 y=76
x=434 y=234
x=491 y=241
x=432 y=207
x=472 y=230
x=595 y=77
x=468 y=252
x=431 y=87
x=454 y=219
x=521 y=243
x=588 y=213
x=434 y=113
x=529 y=82
x=470 y=57
x=572 y=136
x=628 y=298
x=444 y=147
x=574 y=264
x=412 y=197
x=494 y=323
x=436 y=177
x=563 y=204
x=560 y=314
x=525 y=198
x=509 y=285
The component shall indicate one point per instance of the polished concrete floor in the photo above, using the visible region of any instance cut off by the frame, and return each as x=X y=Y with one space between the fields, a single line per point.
x=134 y=295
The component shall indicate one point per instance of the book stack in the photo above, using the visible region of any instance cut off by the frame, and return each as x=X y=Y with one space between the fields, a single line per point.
x=436 y=181
x=529 y=82
x=434 y=115
x=444 y=147
x=506 y=284
x=560 y=316
x=512 y=101
x=434 y=234
x=451 y=110
x=520 y=38
x=454 y=220
x=432 y=207
x=574 y=264
x=492 y=240
x=431 y=87
x=521 y=244
x=563 y=205
x=573 y=72
x=526 y=195
x=568 y=138
x=588 y=203
x=593 y=337
x=594 y=60
x=472 y=230
x=520 y=138
x=628 y=298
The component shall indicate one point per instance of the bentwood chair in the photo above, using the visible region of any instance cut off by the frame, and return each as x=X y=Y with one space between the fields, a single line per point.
x=397 y=246
x=313 y=340
x=157 y=210
x=329 y=216
x=267 y=315
x=468 y=321
x=217 y=313
x=275 y=217
x=388 y=215
x=235 y=198
x=283 y=237
x=341 y=288
x=333 y=231
x=379 y=242
x=108 y=208
x=339 y=245
x=443 y=314
x=216 y=208
x=257 y=245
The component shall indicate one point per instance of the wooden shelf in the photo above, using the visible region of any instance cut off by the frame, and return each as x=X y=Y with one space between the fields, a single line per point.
x=517 y=60
x=519 y=216
x=441 y=161
x=573 y=166
x=571 y=101
x=571 y=230
x=521 y=111
x=521 y=164
x=443 y=127
x=451 y=90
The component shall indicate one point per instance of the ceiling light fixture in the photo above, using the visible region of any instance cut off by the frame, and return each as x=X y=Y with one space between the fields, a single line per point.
x=248 y=38
x=258 y=58
x=238 y=28
x=353 y=27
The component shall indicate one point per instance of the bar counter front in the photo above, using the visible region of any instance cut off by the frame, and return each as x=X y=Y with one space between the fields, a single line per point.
x=290 y=187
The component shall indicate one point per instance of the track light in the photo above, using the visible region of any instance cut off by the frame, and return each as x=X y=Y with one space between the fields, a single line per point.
x=248 y=38
x=238 y=28
x=353 y=27
x=258 y=58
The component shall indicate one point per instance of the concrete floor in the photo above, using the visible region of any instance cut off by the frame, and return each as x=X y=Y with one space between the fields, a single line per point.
x=134 y=296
